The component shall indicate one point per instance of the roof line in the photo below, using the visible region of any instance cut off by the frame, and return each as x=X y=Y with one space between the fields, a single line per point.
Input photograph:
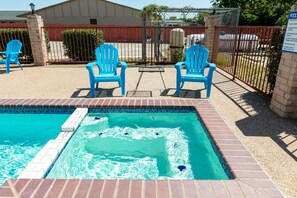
x=68 y=1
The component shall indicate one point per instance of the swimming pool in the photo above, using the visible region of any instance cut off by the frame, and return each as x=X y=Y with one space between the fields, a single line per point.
x=248 y=179
x=23 y=133
x=140 y=144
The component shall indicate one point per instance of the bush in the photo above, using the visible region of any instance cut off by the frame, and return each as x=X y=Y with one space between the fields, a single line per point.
x=178 y=55
x=48 y=46
x=19 y=34
x=23 y=35
x=274 y=55
x=80 y=44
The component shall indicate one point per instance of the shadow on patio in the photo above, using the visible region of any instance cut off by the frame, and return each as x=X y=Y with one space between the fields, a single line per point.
x=259 y=119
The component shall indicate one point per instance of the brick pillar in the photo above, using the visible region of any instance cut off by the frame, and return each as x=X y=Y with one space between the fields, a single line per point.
x=37 y=38
x=211 y=37
x=284 y=98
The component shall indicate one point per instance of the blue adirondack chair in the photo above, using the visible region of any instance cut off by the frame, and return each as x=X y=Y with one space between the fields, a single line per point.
x=107 y=62
x=196 y=62
x=12 y=54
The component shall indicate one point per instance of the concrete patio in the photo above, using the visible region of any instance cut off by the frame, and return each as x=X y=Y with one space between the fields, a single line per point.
x=270 y=139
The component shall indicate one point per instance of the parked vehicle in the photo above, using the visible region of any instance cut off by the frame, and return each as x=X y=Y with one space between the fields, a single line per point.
x=248 y=42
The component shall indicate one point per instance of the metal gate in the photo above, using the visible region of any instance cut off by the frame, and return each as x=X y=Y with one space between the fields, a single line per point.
x=243 y=52
x=139 y=45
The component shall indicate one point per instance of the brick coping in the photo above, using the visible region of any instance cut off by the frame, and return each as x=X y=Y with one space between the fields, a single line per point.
x=249 y=179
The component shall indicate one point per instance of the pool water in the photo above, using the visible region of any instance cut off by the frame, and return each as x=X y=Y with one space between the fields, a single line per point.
x=21 y=138
x=156 y=145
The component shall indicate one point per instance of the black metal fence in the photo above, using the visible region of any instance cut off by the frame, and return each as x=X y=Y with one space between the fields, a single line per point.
x=244 y=53
x=20 y=32
x=140 y=45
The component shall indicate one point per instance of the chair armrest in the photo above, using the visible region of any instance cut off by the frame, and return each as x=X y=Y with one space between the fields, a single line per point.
x=90 y=65
x=15 y=52
x=178 y=68
x=212 y=67
x=90 y=68
x=123 y=69
x=123 y=64
x=12 y=53
x=179 y=64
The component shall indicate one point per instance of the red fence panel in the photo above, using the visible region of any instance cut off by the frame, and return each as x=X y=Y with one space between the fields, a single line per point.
x=131 y=42
x=243 y=52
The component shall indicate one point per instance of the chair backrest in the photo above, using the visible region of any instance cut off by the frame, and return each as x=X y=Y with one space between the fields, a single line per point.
x=107 y=58
x=196 y=59
x=14 y=46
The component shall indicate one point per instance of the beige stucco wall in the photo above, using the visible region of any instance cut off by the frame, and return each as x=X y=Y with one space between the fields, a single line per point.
x=81 y=11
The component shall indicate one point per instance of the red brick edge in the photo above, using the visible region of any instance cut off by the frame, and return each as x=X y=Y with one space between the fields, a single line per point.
x=250 y=180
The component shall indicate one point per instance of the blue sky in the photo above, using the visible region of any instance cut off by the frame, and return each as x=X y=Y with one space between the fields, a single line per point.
x=24 y=4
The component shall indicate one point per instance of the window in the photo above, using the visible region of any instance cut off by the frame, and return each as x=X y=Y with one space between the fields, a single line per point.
x=93 y=21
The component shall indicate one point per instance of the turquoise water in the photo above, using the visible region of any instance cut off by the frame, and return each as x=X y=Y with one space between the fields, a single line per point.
x=139 y=146
x=22 y=136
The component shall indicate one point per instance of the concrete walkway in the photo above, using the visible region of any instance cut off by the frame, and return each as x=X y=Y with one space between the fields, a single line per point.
x=270 y=139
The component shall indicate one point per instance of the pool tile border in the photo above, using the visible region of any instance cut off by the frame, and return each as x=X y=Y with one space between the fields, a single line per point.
x=250 y=180
x=42 y=162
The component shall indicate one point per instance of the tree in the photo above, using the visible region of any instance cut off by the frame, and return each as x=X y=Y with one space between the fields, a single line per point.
x=200 y=18
x=259 y=12
x=185 y=13
x=153 y=12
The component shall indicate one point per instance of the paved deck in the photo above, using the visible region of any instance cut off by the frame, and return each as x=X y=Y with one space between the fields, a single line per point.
x=270 y=139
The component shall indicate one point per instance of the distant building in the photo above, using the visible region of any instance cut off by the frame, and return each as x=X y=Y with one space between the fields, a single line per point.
x=98 y=12
x=169 y=23
x=11 y=17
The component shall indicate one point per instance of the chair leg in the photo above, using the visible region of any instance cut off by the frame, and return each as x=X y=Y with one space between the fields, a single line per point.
x=182 y=84
x=122 y=84
x=92 y=90
x=20 y=65
x=177 y=87
x=205 y=85
x=7 y=64
x=97 y=85
x=208 y=90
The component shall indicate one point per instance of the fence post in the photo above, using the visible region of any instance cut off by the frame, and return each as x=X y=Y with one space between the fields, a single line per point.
x=37 y=38
x=236 y=51
x=144 y=38
x=211 y=41
x=284 y=98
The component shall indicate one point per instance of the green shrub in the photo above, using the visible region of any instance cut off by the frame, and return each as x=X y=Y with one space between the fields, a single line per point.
x=80 y=44
x=48 y=46
x=274 y=55
x=23 y=35
x=19 y=34
x=178 y=55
